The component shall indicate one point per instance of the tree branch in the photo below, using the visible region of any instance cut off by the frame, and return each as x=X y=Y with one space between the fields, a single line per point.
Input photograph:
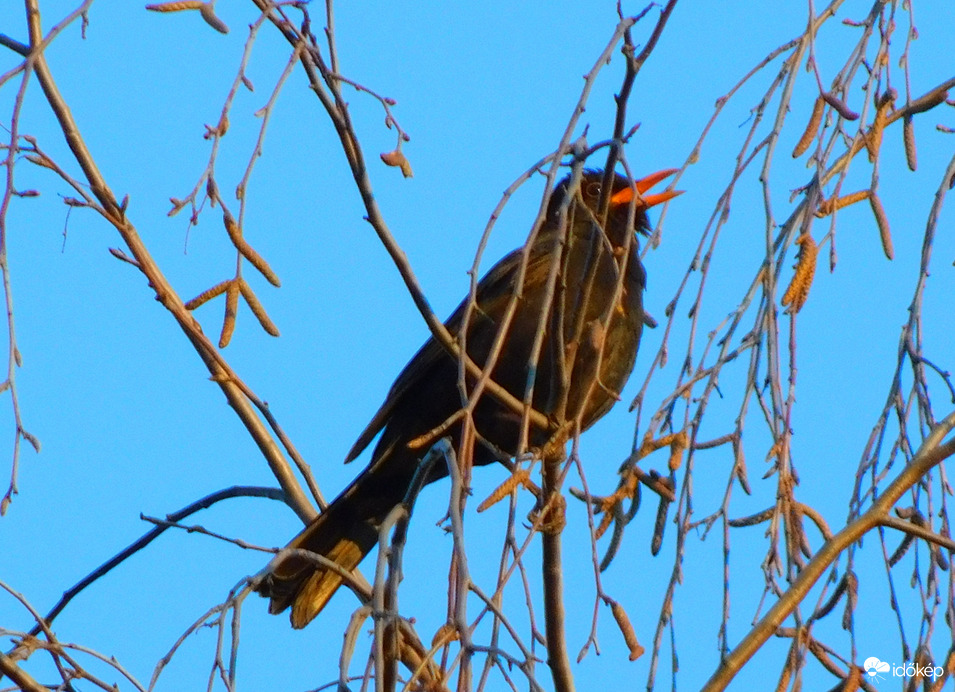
x=221 y=372
x=150 y=536
x=20 y=677
x=931 y=453
x=918 y=531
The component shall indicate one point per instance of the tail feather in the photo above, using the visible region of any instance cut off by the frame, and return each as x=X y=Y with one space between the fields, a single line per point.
x=344 y=533
x=318 y=587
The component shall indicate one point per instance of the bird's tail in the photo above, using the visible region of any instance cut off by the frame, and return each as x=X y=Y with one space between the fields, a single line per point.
x=344 y=533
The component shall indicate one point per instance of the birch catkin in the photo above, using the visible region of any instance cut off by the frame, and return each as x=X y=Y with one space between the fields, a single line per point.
x=798 y=290
x=883 y=221
x=812 y=128
x=908 y=137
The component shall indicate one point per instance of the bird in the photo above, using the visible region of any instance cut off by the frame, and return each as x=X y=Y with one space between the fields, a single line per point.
x=592 y=316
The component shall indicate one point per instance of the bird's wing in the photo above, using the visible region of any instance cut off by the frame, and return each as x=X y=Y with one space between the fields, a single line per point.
x=495 y=286
x=422 y=361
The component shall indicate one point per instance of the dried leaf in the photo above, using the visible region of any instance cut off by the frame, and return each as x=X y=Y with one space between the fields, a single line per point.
x=397 y=159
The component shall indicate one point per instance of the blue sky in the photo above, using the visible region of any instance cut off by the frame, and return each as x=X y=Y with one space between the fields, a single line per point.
x=130 y=423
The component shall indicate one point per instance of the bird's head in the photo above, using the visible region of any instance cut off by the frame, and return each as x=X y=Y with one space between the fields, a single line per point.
x=622 y=196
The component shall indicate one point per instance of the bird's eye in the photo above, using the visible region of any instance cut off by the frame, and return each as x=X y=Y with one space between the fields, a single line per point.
x=593 y=189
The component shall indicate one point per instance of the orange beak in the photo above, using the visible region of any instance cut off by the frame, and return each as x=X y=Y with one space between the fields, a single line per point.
x=625 y=196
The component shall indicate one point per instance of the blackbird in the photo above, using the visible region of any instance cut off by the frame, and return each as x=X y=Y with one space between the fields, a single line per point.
x=592 y=320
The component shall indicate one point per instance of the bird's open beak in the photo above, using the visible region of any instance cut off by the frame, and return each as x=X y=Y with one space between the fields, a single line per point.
x=625 y=196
